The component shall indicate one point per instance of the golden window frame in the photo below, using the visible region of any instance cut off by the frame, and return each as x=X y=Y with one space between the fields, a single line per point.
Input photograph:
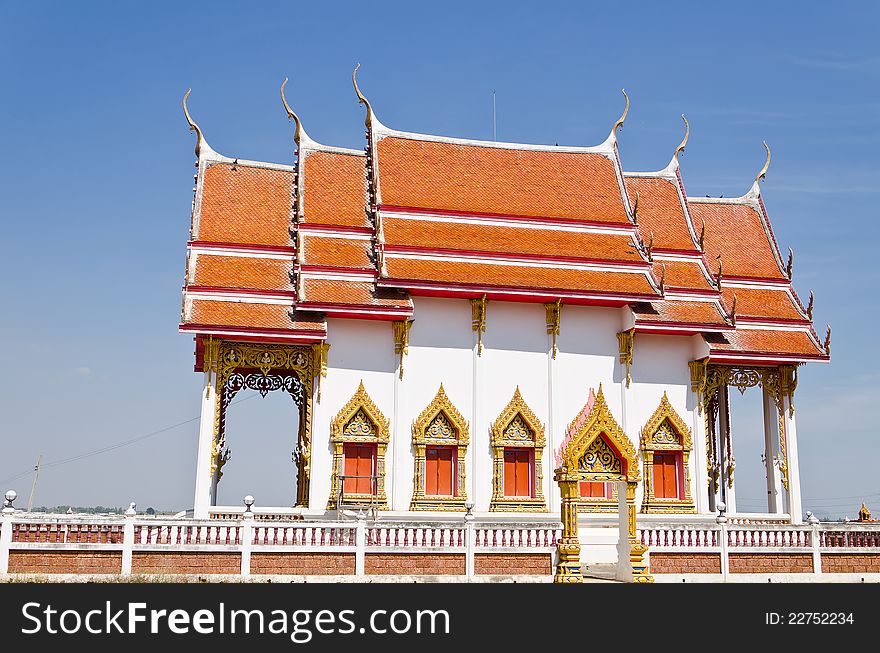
x=517 y=407
x=666 y=414
x=422 y=438
x=361 y=401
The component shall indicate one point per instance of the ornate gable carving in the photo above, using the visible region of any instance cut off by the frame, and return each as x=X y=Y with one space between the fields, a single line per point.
x=517 y=425
x=359 y=419
x=664 y=420
x=585 y=429
x=440 y=423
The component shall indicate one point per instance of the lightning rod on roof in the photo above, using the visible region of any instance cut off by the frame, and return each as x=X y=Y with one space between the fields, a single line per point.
x=494 y=123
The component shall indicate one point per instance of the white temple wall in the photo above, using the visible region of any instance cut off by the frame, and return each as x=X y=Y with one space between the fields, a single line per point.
x=660 y=364
x=514 y=355
x=360 y=350
x=587 y=356
x=440 y=351
x=516 y=352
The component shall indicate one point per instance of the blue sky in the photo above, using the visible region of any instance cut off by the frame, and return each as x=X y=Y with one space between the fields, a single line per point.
x=98 y=165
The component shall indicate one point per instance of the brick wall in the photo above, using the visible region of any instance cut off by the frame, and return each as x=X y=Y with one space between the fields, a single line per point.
x=770 y=563
x=65 y=562
x=303 y=564
x=398 y=564
x=849 y=563
x=685 y=563
x=513 y=564
x=179 y=562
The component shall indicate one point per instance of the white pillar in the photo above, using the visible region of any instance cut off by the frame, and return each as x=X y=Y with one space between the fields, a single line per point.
x=771 y=455
x=793 y=496
x=624 y=572
x=551 y=492
x=480 y=491
x=729 y=493
x=205 y=486
x=699 y=475
x=391 y=471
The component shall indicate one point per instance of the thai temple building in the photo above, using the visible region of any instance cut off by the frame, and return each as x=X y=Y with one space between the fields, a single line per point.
x=496 y=329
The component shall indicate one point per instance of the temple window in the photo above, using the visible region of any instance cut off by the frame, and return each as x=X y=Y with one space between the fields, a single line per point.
x=359 y=435
x=517 y=445
x=666 y=444
x=440 y=439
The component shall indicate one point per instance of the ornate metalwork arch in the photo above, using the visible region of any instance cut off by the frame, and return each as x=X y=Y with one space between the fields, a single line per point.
x=707 y=380
x=517 y=426
x=440 y=424
x=263 y=367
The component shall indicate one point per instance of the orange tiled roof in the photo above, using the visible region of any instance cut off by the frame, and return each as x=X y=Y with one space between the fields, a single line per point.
x=765 y=342
x=428 y=234
x=514 y=276
x=336 y=252
x=252 y=315
x=243 y=272
x=334 y=189
x=660 y=212
x=354 y=293
x=679 y=312
x=245 y=205
x=762 y=303
x=477 y=179
x=736 y=231
x=682 y=274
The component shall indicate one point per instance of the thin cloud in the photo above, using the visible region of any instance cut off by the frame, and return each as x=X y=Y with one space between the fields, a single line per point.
x=839 y=62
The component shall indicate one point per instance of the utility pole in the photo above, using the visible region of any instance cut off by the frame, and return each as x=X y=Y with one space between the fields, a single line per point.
x=34 y=486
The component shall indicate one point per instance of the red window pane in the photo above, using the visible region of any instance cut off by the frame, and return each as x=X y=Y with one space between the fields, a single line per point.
x=518 y=472
x=666 y=475
x=360 y=463
x=440 y=471
x=594 y=489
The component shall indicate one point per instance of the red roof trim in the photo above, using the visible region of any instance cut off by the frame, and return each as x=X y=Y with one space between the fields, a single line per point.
x=690 y=253
x=765 y=359
x=368 y=274
x=626 y=227
x=477 y=254
x=240 y=332
x=451 y=289
x=356 y=311
x=777 y=321
x=265 y=249
x=228 y=290
x=307 y=227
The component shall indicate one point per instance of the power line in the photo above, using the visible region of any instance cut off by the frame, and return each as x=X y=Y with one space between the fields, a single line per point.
x=113 y=447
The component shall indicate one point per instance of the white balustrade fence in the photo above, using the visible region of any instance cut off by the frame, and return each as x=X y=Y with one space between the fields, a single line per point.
x=246 y=535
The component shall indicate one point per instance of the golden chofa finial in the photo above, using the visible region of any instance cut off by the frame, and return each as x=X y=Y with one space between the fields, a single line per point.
x=361 y=98
x=763 y=172
x=684 y=141
x=622 y=118
x=193 y=127
x=297 y=134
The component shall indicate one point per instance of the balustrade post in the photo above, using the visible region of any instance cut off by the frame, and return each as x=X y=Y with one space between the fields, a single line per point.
x=471 y=542
x=722 y=534
x=360 y=541
x=247 y=542
x=814 y=543
x=128 y=539
x=5 y=541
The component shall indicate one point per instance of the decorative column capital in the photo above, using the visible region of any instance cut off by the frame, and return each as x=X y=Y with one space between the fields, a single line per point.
x=625 y=342
x=478 y=320
x=553 y=311
x=401 y=329
x=319 y=362
x=211 y=354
